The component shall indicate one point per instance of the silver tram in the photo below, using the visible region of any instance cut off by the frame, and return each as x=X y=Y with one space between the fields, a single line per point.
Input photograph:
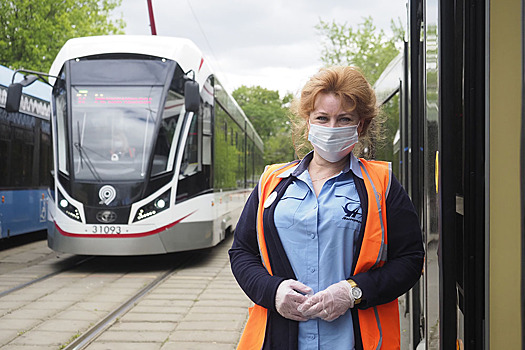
x=151 y=154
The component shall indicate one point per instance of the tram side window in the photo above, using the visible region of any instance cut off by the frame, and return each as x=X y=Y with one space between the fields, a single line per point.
x=207 y=113
x=164 y=148
x=195 y=171
x=22 y=152
x=225 y=160
x=59 y=93
x=5 y=137
x=254 y=163
x=207 y=125
x=258 y=165
x=250 y=170
x=190 y=159
x=170 y=128
x=241 y=157
x=46 y=154
x=237 y=154
x=26 y=153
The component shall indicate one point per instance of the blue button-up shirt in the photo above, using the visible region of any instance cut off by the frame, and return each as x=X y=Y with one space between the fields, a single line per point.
x=318 y=235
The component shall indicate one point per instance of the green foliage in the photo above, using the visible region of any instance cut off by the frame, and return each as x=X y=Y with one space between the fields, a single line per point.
x=268 y=113
x=365 y=47
x=34 y=31
x=279 y=149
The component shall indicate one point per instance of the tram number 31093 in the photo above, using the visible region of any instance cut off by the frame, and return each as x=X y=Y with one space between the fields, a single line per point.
x=106 y=229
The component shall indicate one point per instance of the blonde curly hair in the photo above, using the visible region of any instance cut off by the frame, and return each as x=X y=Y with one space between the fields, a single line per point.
x=349 y=84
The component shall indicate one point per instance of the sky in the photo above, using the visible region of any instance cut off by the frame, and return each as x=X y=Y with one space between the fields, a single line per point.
x=270 y=43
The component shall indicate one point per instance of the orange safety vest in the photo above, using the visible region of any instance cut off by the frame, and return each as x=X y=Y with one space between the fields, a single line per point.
x=379 y=325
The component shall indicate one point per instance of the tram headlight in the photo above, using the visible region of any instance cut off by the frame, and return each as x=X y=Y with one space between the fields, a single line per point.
x=160 y=204
x=67 y=208
x=154 y=207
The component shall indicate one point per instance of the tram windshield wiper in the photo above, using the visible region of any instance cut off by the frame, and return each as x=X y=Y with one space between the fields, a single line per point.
x=84 y=158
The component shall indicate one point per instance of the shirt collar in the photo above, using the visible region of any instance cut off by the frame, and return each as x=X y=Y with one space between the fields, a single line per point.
x=355 y=166
x=303 y=165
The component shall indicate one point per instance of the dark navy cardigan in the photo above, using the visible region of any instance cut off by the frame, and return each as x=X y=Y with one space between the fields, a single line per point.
x=403 y=268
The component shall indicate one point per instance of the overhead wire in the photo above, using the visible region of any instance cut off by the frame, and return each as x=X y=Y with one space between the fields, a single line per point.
x=216 y=61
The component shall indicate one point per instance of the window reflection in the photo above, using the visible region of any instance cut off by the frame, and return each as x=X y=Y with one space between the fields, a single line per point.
x=113 y=129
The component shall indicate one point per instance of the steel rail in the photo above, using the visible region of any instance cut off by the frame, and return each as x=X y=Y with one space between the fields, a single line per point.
x=95 y=331
x=45 y=277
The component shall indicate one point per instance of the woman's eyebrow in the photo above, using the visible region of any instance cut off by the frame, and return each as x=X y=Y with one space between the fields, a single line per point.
x=339 y=115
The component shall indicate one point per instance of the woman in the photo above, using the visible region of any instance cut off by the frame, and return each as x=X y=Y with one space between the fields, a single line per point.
x=327 y=234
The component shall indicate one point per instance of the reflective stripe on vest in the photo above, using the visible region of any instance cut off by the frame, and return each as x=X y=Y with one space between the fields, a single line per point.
x=267 y=183
x=380 y=324
x=253 y=335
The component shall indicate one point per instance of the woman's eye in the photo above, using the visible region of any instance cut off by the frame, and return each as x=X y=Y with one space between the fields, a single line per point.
x=352 y=120
x=346 y=120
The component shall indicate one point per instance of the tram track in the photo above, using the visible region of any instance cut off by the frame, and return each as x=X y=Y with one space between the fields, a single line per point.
x=94 y=270
x=45 y=277
x=96 y=330
x=124 y=302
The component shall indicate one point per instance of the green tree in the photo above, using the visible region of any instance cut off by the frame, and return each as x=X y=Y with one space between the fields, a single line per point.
x=268 y=113
x=33 y=32
x=365 y=47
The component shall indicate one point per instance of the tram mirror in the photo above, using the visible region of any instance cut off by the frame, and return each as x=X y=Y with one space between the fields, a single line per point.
x=192 y=96
x=28 y=80
x=14 y=95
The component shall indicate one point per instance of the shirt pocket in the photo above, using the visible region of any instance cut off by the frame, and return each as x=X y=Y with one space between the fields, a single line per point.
x=286 y=211
x=347 y=213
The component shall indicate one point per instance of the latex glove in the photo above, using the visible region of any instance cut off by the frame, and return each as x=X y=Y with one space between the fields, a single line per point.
x=330 y=303
x=290 y=294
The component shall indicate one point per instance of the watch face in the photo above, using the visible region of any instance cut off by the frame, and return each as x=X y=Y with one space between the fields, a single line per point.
x=357 y=293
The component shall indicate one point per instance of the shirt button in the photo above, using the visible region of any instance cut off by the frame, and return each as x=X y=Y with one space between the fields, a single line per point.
x=312 y=236
x=311 y=336
x=312 y=269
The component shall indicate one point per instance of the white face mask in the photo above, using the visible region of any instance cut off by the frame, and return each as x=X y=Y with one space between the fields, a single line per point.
x=333 y=144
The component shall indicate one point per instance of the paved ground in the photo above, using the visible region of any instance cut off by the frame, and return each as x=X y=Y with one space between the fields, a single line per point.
x=200 y=307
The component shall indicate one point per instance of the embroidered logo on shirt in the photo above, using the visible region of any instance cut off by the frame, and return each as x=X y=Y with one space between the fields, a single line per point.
x=352 y=214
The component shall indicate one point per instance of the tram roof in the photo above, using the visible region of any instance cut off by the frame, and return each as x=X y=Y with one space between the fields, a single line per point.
x=181 y=50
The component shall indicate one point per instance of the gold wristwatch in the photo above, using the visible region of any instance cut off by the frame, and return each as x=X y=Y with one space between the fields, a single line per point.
x=356 y=292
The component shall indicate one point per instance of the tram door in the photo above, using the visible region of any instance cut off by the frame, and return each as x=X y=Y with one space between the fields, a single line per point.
x=442 y=167
x=461 y=167
x=411 y=156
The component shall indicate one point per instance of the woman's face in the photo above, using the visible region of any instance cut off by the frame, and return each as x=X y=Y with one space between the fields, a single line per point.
x=331 y=111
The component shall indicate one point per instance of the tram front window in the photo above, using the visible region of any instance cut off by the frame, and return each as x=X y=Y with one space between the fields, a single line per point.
x=113 y=131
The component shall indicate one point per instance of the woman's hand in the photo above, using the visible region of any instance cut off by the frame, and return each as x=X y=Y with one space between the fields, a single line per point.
x=290 y=294
x=330 y=303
